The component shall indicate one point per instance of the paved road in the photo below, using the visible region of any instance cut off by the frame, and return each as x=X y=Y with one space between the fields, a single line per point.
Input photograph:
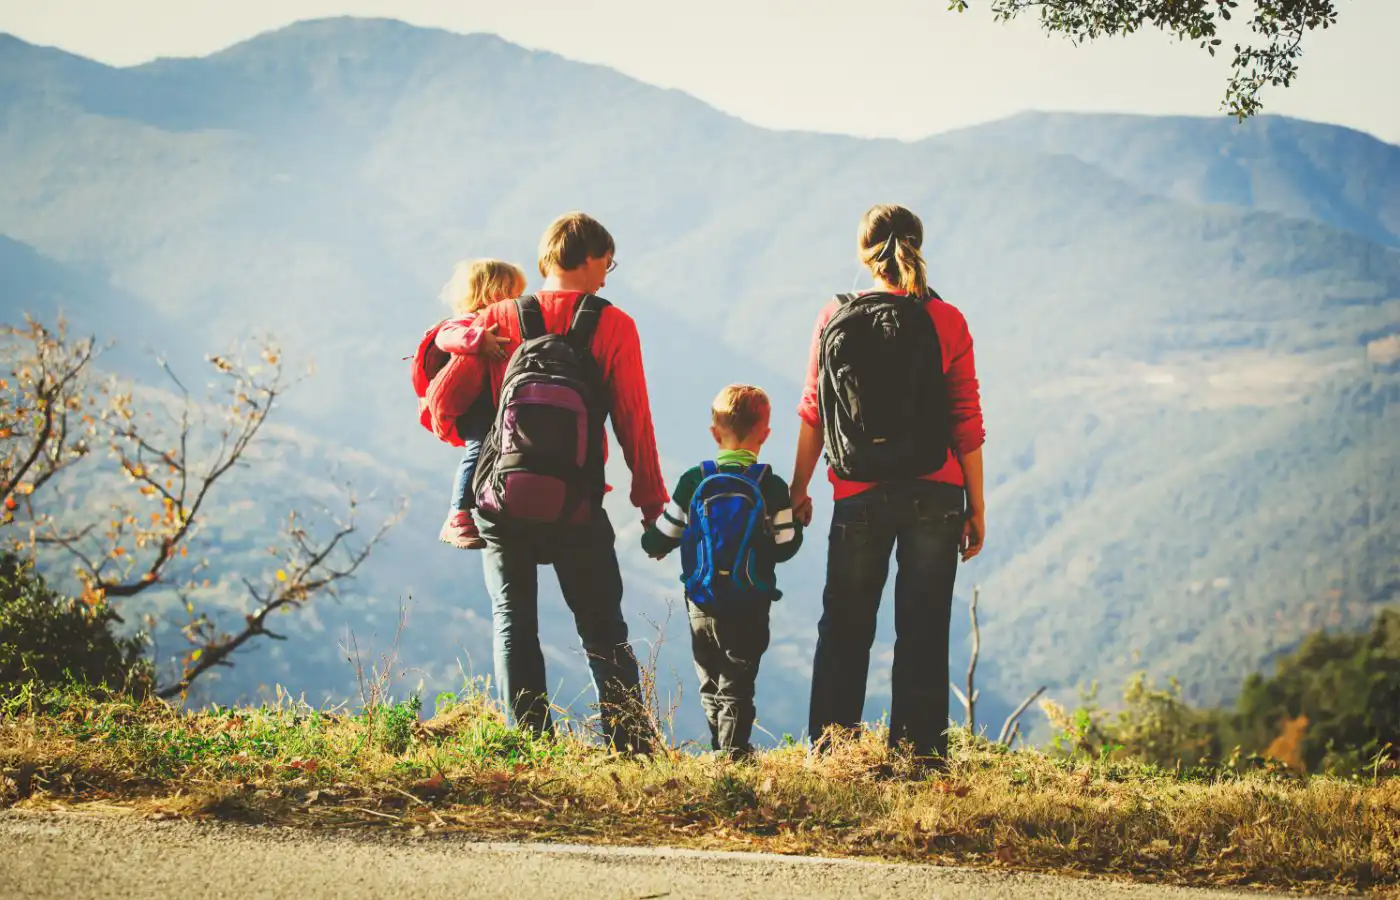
x=99 y=855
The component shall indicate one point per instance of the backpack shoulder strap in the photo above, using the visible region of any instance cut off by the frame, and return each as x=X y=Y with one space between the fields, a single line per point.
x=846 y=299
x=531 y=317
x=586 y=319
x=708 y=469
x=756 y=473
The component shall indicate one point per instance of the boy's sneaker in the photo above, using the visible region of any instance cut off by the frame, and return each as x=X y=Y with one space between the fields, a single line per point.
x=460 y=531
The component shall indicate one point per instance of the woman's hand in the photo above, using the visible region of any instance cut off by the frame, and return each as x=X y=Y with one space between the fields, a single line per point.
x=492 y=346
x=809 y=448
x=974 y=534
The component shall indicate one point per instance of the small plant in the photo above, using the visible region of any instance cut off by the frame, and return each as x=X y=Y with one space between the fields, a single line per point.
x=732 y=795
x=393 y=724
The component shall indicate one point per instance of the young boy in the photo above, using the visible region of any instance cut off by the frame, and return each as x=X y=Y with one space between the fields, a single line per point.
x=729 y=606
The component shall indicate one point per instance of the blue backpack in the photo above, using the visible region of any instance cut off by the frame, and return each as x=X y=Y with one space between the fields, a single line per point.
x=727 y=518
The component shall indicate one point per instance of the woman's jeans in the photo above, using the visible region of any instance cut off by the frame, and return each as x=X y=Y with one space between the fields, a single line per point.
x=921 y=522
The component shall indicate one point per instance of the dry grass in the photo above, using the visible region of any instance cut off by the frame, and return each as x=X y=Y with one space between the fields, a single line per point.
x=466 y=771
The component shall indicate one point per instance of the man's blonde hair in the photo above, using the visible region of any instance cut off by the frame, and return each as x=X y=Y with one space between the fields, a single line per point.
x=572 y=240
x=477 y=284
x=739 y=409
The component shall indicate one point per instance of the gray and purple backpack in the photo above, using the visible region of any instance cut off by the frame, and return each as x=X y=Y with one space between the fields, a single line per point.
x=542 y=461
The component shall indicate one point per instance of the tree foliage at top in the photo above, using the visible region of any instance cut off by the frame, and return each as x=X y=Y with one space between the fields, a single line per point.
x=1270 y=58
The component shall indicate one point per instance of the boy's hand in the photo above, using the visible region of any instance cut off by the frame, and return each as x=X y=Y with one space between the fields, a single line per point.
x=492 y=346
x=654 y=554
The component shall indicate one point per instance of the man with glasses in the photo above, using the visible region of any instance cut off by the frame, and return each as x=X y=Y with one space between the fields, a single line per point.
x=575 y=257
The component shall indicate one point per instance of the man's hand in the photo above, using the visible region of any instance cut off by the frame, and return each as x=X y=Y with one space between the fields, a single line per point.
x=492 y=346
x=647 y=527
x=974 y=534
x=801 y=506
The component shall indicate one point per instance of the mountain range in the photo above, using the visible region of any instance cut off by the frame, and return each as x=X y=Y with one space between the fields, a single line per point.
x=1185 y=328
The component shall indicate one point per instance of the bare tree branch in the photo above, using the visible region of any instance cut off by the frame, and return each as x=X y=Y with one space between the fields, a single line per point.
x=969 y=699
x=1012 y=720
x=137 y=548
x=972 y=663
x=49 y=373
x=182 y=510
x=290 y=587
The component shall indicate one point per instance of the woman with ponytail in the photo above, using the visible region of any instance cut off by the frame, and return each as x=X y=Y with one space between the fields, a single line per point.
x=891 y=394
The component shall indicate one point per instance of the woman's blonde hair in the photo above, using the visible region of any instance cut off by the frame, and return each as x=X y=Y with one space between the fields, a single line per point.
x=477 y=284
x=890 y=238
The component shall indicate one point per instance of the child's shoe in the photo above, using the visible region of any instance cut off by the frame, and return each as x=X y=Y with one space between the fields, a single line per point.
x=460 y=531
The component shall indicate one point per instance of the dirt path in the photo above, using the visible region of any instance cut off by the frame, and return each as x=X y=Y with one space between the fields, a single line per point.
x=70 y=856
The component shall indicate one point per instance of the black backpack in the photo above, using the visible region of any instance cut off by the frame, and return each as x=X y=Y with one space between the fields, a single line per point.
x=882 y=390
x=542 y=460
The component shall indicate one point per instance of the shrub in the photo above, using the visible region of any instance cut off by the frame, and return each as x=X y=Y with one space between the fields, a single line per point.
x=1343 y=687
x=48 y=639
x=1157 y=726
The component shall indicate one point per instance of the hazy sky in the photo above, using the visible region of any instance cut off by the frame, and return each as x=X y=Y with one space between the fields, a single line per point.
x=901 y=68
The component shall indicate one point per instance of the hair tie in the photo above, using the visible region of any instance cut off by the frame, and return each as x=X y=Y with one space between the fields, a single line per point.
x=887 y=249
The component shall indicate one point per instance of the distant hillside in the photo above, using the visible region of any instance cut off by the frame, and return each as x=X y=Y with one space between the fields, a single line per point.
x=1330 y=174
x=1194 y=461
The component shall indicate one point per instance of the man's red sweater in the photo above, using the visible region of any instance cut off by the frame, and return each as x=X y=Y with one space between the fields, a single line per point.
x=963 y=395
x=618 y=351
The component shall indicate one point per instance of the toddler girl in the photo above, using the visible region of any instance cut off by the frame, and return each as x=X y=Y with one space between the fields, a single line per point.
x=473 y=287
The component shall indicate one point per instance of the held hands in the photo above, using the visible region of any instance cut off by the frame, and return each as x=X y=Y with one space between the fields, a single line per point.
x=801 y=506
x=649 y=525
x=974 y=533
x=492 y=346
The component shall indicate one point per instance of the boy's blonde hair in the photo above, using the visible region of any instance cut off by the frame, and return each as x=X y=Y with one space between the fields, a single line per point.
x=739 y=409
x=477 y=284
x=572 y=240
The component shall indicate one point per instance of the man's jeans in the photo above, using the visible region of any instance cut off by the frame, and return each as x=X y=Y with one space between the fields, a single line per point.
x=727 y=649
x=924 y=520
x=586 y=564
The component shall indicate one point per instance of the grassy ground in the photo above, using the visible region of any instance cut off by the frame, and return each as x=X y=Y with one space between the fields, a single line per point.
x=465 y=770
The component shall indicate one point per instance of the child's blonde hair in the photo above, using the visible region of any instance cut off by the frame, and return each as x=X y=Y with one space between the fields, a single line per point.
x=477 y=284
x=739 y=409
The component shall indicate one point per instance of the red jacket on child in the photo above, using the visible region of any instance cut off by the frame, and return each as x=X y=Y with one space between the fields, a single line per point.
x=435 y=349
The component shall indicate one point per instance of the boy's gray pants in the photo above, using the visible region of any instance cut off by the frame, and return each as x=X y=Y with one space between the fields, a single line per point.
x=727 y=650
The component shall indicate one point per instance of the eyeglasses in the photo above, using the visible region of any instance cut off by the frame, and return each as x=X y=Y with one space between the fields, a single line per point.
x=612 y=264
